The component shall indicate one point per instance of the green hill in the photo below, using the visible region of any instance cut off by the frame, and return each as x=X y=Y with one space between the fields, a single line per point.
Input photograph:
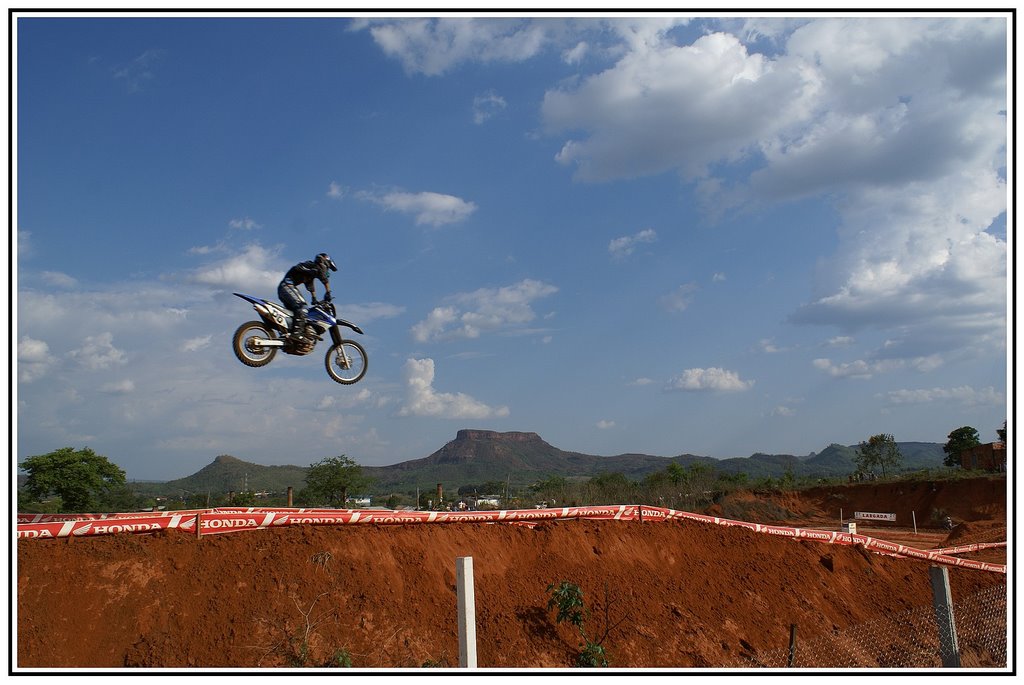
x=230 y=474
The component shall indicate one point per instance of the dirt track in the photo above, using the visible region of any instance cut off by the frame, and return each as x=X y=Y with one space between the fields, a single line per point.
x=685 y=595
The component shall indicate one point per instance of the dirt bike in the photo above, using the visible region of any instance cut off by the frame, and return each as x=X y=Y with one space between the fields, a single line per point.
x=256 y=342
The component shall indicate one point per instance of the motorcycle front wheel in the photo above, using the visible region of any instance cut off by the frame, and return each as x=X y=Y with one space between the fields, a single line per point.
x=346 y=362
x=246 y=352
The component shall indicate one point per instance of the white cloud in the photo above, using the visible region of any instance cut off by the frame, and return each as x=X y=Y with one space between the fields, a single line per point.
x=487 y=106
x=483 y=311
x=783 y=410
x=136 y=73
x=901 y=122
x=575 y=54
x=624 y=246
x=713 y=378
x=123 y=387
x=433 y=209
x=436 y=323
x=604 y=424
x=964 y=395
x=34 y=359
x=197 y=343
x=423 y=400
x=244 y=224
x=666 y=107
x=58 y=279
x=434 y=46
x=97 y=352
x=680 y=298
x=335 y=191
x=642 y=381
x=255 y=269
x=859 y=368
x=839 y=341
x=719 y=277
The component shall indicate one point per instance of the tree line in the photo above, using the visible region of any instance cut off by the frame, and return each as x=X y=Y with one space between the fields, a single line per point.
x=70 y=480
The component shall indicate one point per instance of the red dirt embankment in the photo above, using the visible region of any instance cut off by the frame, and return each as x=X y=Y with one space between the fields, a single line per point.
x=687 y=594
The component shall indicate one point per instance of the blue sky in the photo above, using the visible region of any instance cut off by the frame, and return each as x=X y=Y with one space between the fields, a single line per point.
x=646 y=234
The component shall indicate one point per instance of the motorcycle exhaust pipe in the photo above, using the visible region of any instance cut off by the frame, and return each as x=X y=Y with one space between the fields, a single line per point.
x=264 y=342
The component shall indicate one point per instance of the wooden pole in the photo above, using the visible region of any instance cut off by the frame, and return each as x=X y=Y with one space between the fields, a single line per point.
x=792 y=646
x=289 y=497
x=199 y=524
x=467 y=612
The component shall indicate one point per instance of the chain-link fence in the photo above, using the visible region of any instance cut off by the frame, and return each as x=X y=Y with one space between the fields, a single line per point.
x=908 y=640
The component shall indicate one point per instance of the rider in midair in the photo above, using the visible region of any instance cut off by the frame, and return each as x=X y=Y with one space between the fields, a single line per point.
x=304 y=273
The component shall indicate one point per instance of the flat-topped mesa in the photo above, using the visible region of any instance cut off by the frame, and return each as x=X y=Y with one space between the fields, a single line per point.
x=511 y=436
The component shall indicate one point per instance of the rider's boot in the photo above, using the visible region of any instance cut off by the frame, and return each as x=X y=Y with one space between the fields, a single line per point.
x=298 y=328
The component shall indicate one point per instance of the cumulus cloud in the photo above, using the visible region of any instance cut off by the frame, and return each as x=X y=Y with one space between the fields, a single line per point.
x=256 y=269
x=423 y=400
x=667 y=107
x=483 y=311
x=625 y=246
x=432 y=209
x=34 y=359
x=98 y=352
x=713 y=378
x=902 y=123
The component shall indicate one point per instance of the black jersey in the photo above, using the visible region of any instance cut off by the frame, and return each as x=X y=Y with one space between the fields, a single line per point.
x=304 y=273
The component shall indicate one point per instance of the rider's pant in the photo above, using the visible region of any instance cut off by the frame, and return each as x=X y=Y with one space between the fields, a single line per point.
x=291 y=297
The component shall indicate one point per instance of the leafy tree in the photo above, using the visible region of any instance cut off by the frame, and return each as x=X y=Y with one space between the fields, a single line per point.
x=961 y=439
x=81 y=478
x=331 y=479
x=879 y=452
x=1001 y=432
x=610 y=488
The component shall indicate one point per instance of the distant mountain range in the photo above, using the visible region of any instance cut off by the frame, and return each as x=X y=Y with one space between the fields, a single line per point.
x=519 y=458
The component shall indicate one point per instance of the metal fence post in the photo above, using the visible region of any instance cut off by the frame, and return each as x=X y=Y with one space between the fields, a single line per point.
x=467 y=612
x=942 y=602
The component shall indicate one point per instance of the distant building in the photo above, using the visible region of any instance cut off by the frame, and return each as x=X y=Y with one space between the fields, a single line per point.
x=989 y=457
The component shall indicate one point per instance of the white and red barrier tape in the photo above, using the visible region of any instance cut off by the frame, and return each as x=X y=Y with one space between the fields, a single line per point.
x=227 y=520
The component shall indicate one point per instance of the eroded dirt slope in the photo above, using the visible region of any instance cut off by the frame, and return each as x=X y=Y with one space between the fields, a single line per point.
x=684 y=595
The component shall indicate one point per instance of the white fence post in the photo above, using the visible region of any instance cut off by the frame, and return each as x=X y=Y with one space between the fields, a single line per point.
x=467 y=612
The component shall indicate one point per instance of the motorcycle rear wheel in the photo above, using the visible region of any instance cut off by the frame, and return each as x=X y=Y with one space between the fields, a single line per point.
x=346 y=362
x=244 y=350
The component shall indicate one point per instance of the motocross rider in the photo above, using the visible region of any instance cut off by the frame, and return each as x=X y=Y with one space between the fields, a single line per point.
x=304 y=273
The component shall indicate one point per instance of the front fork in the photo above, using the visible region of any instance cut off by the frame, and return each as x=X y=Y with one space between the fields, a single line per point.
x=344 y=361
